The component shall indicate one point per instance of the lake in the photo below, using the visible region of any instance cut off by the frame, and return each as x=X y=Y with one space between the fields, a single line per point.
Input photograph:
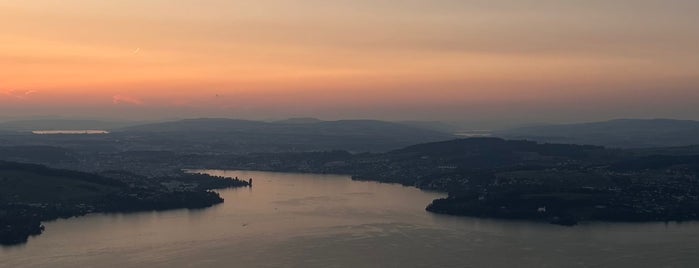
x=306 y=220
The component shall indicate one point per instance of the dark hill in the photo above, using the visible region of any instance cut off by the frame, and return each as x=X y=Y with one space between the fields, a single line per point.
x=28 y=183
x=30 y=194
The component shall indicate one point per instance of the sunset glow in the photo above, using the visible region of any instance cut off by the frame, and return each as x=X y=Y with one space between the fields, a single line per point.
x=419 y=59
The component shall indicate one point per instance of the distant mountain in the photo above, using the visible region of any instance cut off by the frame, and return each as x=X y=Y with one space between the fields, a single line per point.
x=621 y=133
x=299 y=120
x=295 y=135
x=61 y=124
x=292 y=126
x=199 y=125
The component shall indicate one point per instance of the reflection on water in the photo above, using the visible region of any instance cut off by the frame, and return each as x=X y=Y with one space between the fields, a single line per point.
x=301 y=220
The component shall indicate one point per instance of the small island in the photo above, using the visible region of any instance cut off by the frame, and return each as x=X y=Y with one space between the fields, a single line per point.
x=31 y=194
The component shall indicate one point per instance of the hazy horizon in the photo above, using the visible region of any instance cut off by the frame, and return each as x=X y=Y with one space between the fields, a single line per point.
x=509 y=61
x=458 y=125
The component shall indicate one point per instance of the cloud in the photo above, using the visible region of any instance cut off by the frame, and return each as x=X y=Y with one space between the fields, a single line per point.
x=121 y=99
x=18 y=93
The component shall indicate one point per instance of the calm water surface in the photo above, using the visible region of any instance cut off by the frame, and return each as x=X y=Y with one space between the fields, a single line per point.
x=302 y=220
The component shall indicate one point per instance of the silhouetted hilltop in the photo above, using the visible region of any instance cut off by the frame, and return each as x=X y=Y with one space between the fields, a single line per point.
x=621 y=133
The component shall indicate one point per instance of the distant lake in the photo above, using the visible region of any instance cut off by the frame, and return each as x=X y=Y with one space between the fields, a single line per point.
x=70 y=132
x=303 y=220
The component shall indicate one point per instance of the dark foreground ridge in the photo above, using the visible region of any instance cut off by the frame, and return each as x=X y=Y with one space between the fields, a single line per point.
x=490 y=177
x=31 y=194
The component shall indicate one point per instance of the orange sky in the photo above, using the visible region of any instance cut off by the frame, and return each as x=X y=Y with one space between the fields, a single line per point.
x=443 y=59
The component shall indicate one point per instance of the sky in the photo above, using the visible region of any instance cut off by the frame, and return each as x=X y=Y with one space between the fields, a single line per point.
x=452 y=60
